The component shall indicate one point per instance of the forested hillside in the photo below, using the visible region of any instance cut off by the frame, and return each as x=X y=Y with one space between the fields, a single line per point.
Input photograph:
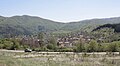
x=116 y=27
x=26 y=25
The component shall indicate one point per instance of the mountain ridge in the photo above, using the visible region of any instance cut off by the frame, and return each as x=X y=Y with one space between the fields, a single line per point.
x=26 y=25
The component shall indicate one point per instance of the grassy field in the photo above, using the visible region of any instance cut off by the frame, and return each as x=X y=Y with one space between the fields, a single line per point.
x=38 y=59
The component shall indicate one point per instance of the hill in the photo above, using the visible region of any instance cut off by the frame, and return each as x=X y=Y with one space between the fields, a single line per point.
x=116 y=27
x=27 y=25
x=91 y=24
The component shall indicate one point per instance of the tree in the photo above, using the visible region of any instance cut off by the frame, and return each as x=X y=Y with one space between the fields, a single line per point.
x=112 y=47
x=41 y=39
x=15 y=45
x=52 y=44
x=93 y=46
x=101 y=48
x=7 y=44
x=1 y=46
x=80 y=47
x=53 y=41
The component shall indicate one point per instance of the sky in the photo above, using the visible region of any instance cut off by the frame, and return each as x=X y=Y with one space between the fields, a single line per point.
x=61 y=10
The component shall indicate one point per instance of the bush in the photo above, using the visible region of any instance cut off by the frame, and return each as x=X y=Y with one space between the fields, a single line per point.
x=50 y=46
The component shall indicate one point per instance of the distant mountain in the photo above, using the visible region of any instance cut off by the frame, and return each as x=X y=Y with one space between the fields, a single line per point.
x=27 y=25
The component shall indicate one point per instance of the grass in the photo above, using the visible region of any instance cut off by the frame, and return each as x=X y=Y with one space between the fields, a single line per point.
x=8 y=59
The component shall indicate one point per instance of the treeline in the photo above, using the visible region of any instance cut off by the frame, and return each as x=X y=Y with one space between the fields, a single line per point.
x=49 y=43
x=11 y=44
x=92 y=46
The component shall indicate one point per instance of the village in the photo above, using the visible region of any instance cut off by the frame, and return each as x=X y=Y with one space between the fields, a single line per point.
x=64 y=41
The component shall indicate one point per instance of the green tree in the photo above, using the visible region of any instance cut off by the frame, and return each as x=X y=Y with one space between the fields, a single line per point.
x=80 y=47
x=101 y=48
x=52 y=44
x=41 y=39
x=15 y=45
x=93 y=46
x=112 y=47
x=1 y=46
x=7 y=44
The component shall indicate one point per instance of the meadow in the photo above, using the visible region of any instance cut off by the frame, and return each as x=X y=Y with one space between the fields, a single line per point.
x=58 y=59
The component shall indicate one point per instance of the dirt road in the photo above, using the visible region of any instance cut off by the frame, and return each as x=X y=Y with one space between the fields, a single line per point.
x=22 y=51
